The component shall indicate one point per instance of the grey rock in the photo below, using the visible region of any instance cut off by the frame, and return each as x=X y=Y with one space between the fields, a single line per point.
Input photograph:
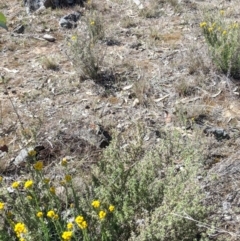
x=49 y=37
x=218 y=133
x=21 y=157
x=226 y=206
x=69 y=21
x=227 y=217
x=33 y=5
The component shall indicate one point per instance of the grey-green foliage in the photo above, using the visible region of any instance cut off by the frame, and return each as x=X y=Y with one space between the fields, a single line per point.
x=174 y=218
x=146 y=188
x=3 y=21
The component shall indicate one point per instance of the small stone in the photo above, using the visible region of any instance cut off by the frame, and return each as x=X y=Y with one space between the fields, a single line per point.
x=69 y=21
x=127 y=87
x=49 y=37
x=21 y=157
x=136 y=102
x=227 y=217
x=226 y=206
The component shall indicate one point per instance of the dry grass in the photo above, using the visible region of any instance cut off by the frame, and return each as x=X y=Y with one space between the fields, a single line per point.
x=49 y=63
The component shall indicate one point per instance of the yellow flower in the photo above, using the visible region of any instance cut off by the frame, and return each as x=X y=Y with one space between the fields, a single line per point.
x=222 y=12
x=96 y=203
x=51 y=214
x=79 y=219
x=1 y=178
x=32 y=153
x=9 y=214
x=102 y=215
x=210 y=30
x=224 y=32
x=70 y=226
x=67 y=235
x=29 y=197
x=235 y=25
x=203 y=24
x=82 y=224
x=52 y=190
x=39 y=214
x=28 y=184
x=74 y=38
x=22 y=239
x=63 y=183
x=111 y=208
x=15 y=185
x=20 y=228
x=2 y=205
x=92 y=23
x=68 y=178
x=64 y=162
x=46 y=180
x=38 y=166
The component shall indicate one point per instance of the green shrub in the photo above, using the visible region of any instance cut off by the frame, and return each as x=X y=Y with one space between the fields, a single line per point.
x=153 y=199
x=84 y=50
x=223 y=39
x=133 y=194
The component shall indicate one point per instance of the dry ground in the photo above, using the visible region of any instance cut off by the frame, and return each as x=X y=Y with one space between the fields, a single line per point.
x=163 y=79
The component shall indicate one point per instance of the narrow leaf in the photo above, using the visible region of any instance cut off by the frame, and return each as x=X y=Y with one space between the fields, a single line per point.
x=3 y=21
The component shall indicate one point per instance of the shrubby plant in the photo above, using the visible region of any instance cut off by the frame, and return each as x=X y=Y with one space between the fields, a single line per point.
x=153 y=195
x=132 y=194
x=31 y=209
x=84 y=51
x=223 y=39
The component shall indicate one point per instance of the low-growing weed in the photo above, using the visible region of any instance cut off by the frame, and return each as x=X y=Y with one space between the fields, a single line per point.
x=84 y=50
x=223 y=38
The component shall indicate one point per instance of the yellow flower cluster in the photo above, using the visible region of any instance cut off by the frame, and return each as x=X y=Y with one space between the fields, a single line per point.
x=73 y=38
x=82 y=224
x=15 y=185
x=20 y=229
x=52 y=190
x=64 y=162
x=111 y=208
x=51 y=214
x=2 y=205
x=38 y=166
x=203 y=24
x=96 y=203
x=102 y=215
x=46 y=180
x=68 y=178
x=67 y=235
x=32 y=153
x=29 y=197
x=28 y=184
x=70 y=226
x=39 y=214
